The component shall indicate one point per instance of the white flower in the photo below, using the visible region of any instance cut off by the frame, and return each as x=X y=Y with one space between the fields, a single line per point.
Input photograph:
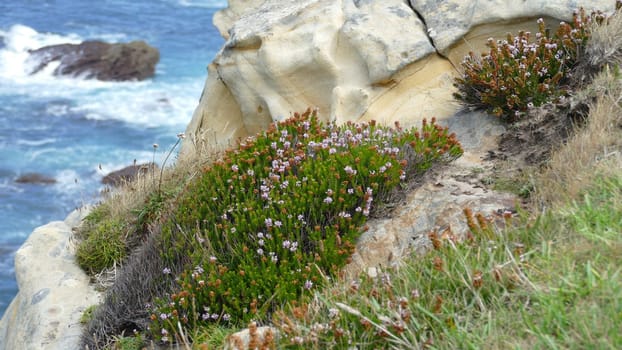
x=308 y=284
x=348 y=169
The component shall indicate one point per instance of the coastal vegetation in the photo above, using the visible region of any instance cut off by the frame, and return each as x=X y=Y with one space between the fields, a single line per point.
x=257 y=235
x=520 y=73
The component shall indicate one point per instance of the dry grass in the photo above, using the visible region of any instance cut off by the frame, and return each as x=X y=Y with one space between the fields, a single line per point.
x=122 y=201
x=603 y=48
x=598 y=146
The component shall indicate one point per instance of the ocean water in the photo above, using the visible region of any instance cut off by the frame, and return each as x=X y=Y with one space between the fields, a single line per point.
x=66 y=128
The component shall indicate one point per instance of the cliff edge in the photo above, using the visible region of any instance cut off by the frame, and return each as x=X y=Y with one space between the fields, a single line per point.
x=53 y=291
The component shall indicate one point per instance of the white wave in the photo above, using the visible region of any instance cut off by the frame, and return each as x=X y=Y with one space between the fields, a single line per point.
x=38 y=154
x=67 y=178
x=7 y=186
x=16 y=65
x=35 y=143
x=204 y=3
x=18 y=40
x=149 y=103
x=57 y=110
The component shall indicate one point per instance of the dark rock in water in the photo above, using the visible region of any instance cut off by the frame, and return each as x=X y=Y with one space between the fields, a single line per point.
x=99 y=60
x=127 y=174
x=35 y=178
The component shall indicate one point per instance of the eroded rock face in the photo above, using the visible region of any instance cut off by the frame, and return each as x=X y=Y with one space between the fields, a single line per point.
x=438 y=204
x=99 y=60
x=339 y=56
x=53 y=291
x=353 y=60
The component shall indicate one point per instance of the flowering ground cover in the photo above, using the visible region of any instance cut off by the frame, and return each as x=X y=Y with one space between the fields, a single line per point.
x=279 y=216
x=519 y=73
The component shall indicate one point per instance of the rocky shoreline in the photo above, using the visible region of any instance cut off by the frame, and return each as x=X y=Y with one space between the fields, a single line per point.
x=53 y=291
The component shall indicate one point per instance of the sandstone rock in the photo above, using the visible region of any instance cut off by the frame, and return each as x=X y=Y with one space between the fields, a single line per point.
x=354 y=60
x=53 y=291
x=439 y=203
x=455 y=22
x=282 y=57
x=35 y=178
x=99 y=60
x=128 y=173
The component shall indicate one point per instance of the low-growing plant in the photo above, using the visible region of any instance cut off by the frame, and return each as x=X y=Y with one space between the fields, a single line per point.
x=546 y=282
x=134 y=342
x=413 y=305
x=103 y=244
x=107 y=236
x=87 y=314
x=279 y=216
x=518 y=74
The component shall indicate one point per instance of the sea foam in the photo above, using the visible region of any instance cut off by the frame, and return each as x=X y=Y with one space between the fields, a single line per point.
x=147 y=103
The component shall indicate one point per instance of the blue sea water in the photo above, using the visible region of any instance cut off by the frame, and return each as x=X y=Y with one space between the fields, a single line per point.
x=67 y=127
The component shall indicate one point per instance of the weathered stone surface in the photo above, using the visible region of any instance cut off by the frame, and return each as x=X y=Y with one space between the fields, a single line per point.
x=99 y=60
x=450 y=21
x=353 y=60
x=439 y=203
x=128 y=173
x=282 y=57
x=53 y=291
x=35 y=178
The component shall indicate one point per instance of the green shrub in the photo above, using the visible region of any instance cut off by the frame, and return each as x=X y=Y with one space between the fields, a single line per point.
x=276 y=218
x=518 y=74
x=103 y=244
x=127 y=343
x=87 y=315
